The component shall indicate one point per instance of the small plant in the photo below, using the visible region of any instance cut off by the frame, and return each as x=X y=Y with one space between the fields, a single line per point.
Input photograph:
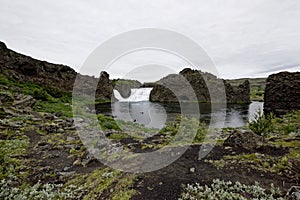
x=41 y=95
x=38 y=191
x=221 y=189
x=262 y=124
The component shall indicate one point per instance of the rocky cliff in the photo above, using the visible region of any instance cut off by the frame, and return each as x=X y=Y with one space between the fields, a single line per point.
x=282 y=93
x=26 y=69
x=197 y=80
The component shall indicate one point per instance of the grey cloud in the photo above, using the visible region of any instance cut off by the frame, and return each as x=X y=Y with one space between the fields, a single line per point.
x=243 y=38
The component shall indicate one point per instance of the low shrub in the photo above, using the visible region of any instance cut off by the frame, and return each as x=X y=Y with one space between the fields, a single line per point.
x=38 y=191
x=40 y=94
x=262 y=124
x=220 y=189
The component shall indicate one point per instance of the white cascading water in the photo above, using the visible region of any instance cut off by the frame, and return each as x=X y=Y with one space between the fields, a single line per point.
x=137 y=94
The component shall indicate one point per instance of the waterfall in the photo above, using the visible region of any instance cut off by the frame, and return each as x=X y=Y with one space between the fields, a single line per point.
x=137 y=94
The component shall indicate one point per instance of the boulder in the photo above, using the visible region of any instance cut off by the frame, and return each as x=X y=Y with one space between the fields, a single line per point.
x=246 y=140
x=282 y=93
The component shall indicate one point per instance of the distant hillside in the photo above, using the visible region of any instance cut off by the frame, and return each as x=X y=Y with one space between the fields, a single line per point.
x=257 y=87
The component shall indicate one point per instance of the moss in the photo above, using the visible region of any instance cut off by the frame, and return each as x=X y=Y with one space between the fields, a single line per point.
x=11 y=152
x=96 y=183
x=118 y=136
x=122 y=190
x=53 y=107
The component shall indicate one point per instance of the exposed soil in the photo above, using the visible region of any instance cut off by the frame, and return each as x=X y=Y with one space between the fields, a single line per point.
x=167 y=182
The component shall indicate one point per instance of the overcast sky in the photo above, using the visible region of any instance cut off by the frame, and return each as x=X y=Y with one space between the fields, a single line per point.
x=249 y=38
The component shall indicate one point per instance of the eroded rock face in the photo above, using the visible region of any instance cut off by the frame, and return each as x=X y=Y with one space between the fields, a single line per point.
x=26 y=69
x=162 y=90
x=282 y=93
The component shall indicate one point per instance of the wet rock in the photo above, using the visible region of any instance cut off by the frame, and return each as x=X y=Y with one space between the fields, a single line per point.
x=282 y=93
x=293 y=193
x=246 y=140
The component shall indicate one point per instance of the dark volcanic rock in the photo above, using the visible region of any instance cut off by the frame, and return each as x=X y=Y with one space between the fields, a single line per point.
x=239 y=94
x=244 y=139
x=26 y=69
x=104 y=87
x=162 y=90
x=282 y=93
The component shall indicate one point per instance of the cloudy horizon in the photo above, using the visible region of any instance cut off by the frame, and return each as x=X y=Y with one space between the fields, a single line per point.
x=242 y=38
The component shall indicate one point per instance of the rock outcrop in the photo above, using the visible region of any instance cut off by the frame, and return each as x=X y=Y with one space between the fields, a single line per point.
x=26 y=69
x=282 y=93
x=197 y=81
x=246 y=140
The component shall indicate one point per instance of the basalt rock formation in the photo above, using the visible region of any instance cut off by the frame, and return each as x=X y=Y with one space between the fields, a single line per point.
x=163 y=90
x=282 y=93
x=26 y=69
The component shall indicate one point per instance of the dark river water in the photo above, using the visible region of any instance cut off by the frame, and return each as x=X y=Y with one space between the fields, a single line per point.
x=157 y=114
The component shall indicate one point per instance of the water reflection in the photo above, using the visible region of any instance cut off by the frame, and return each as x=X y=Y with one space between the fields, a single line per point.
x=156 y=114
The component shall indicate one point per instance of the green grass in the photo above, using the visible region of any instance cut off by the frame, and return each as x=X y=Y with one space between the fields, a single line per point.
x=96 y=183
x=53 y=107
x=50 y=100
x=11 y=152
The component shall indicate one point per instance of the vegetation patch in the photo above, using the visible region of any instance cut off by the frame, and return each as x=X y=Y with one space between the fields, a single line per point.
x=221 y=189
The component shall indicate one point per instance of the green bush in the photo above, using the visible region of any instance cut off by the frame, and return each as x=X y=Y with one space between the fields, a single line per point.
x=107 y=122
x=262 y=124
x=54 y=92
x=220 y=189
x=40 y=94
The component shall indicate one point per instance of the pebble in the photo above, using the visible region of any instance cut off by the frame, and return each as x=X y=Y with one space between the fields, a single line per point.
x=192 y=170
